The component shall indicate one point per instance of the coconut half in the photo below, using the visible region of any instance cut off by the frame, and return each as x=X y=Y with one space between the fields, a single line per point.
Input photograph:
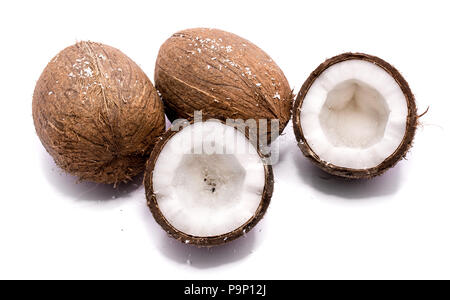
x=206 y=184
x=355 y=116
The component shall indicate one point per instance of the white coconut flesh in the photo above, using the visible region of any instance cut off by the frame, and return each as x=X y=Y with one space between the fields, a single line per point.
x=208 y=179
x=354 y=115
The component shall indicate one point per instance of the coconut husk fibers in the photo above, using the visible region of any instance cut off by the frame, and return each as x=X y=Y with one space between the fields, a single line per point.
x=195 y=240
x=223 y=75
x=389 y=162
x=97 y=113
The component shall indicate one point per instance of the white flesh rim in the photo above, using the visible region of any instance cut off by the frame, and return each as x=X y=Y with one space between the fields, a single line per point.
x=208 y=179
x=354 y=115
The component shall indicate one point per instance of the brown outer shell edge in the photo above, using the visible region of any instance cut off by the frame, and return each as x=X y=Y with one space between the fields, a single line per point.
x=390 y=161
x=196 y=240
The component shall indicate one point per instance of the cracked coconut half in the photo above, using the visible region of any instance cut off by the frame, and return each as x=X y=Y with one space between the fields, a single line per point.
x=355 y=116
x=206 y=184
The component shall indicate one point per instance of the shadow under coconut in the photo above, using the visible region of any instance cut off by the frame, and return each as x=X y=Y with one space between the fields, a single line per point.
x=200 y=258
x=205 y=258
x=385 y=184
x=84 y=190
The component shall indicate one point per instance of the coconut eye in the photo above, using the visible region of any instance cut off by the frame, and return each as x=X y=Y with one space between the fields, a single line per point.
x=355 y=116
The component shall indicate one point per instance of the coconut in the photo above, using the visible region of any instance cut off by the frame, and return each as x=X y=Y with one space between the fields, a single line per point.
x=97 y=113
x=222 y=75
x=355 y=116
x=206 y=184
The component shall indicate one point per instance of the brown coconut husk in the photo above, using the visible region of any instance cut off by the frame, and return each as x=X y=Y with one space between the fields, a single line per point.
x=97 y=113
x=195 y=240
x=389 y=162
x=223 y=75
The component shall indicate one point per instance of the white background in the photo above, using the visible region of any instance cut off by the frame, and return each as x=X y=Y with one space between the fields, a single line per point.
x=394 y=226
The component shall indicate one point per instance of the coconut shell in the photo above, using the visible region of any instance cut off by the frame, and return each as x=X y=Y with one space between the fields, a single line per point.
x=195 y=240
x=389 y=162
x=223 y=75
x=97 y=113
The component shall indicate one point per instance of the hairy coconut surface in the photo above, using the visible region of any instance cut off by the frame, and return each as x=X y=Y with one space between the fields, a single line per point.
x=233 y=200
x=223 y=75
x=97 y=113
x=409 y=121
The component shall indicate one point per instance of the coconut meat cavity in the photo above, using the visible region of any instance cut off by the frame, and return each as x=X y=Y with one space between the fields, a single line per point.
x=354 y=115
x=208 y=179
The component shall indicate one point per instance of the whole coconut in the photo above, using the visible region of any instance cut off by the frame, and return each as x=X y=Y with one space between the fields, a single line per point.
x=223 y=75
x=97 y=113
